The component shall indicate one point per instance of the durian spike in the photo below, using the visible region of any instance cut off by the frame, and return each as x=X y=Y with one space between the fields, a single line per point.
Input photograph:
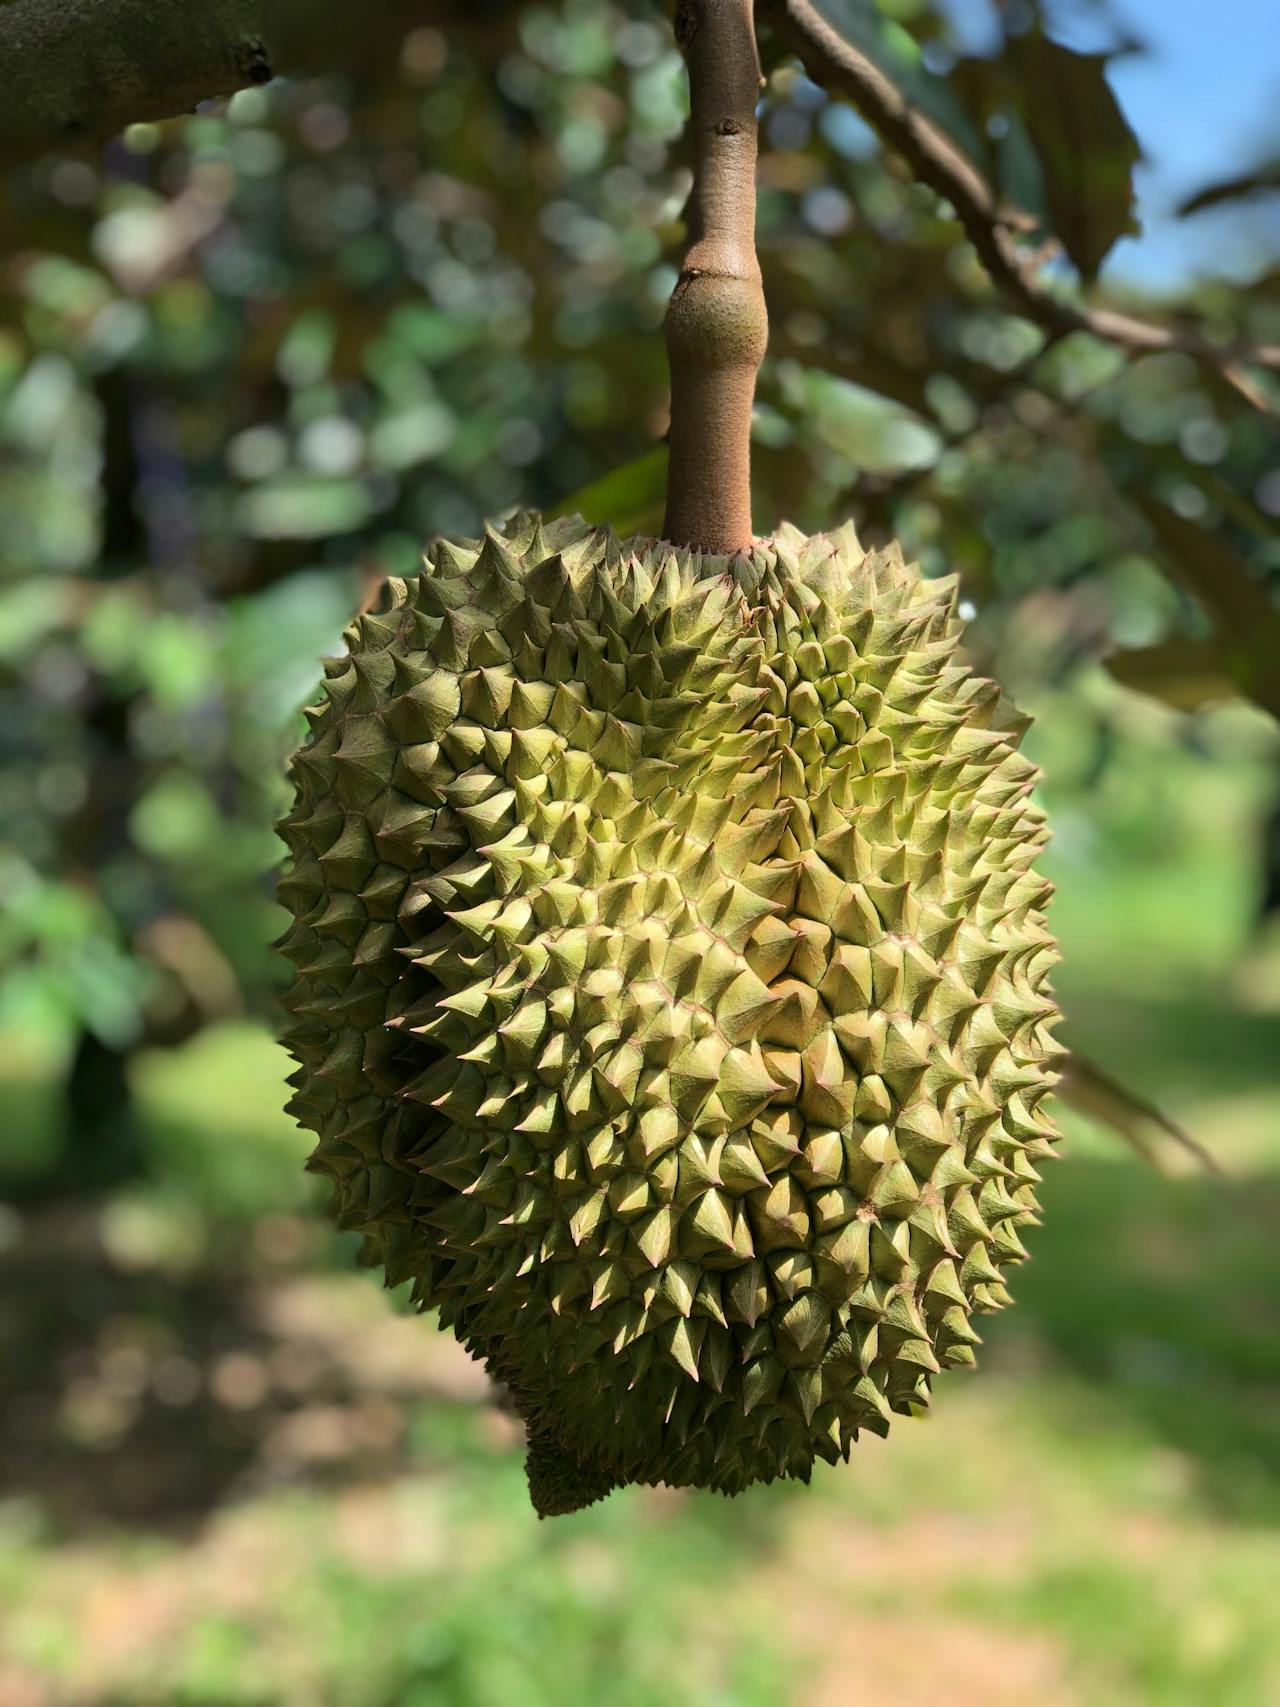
x=717 y=326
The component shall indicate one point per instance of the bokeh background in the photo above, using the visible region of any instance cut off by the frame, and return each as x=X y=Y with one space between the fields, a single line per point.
x=249 y=359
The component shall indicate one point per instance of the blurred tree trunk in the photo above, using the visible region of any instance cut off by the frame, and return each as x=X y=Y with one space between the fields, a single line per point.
x=1269 y=900
x=101 y=1145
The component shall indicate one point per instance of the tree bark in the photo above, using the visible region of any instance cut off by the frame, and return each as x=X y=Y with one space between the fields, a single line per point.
x=72 y=69
x=717 y=326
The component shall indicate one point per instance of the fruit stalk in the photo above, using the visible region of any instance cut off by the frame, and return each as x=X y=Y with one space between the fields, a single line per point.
x=717 y=326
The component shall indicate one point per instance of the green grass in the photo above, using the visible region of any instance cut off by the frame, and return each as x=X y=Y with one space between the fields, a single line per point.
x=441 y=1589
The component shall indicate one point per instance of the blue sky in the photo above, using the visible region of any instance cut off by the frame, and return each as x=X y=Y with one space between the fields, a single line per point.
x=1204 y=100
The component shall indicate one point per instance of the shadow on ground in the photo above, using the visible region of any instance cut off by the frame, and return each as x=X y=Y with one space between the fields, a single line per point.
x=147 y=1393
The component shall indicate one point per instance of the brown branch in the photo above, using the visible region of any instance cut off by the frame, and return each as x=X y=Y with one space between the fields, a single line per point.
x=717 y=325
x=836 y=64
x=72 y=70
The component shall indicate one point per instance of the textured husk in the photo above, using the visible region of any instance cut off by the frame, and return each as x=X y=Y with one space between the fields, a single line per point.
x=671 y=997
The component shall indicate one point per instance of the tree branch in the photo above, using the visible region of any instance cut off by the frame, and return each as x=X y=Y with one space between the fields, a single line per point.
x=836 y=64
x=77 y=69
x=717 y=326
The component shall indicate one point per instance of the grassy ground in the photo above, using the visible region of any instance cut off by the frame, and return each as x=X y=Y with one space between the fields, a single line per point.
x=232 y=1474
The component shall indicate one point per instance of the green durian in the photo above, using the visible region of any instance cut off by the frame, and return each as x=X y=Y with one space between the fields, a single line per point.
x=672 y=994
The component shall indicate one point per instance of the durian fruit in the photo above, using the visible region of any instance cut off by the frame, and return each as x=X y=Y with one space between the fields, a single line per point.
x=671 y=995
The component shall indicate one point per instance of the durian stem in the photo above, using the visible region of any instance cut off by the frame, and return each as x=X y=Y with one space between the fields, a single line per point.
x=717 y=326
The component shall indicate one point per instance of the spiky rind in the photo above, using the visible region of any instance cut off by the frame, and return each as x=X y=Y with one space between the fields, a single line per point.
x=672 y=999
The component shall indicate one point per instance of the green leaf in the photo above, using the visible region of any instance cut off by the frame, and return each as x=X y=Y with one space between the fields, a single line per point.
x=1236 y=600
x=873 y=432
x=30 y=611
x=1089 y=1090
x=1183 y=672
x=630 y=499
x=1082 y=139
x=303 y=506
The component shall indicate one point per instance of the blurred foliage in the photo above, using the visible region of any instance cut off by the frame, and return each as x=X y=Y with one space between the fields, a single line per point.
x=249 y=359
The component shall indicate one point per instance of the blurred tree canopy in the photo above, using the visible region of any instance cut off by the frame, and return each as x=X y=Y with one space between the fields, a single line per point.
x=250 y=357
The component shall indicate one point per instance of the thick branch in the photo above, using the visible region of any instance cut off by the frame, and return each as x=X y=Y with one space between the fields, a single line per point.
x=717 y=326
x=87 y=68
x=834 y=62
